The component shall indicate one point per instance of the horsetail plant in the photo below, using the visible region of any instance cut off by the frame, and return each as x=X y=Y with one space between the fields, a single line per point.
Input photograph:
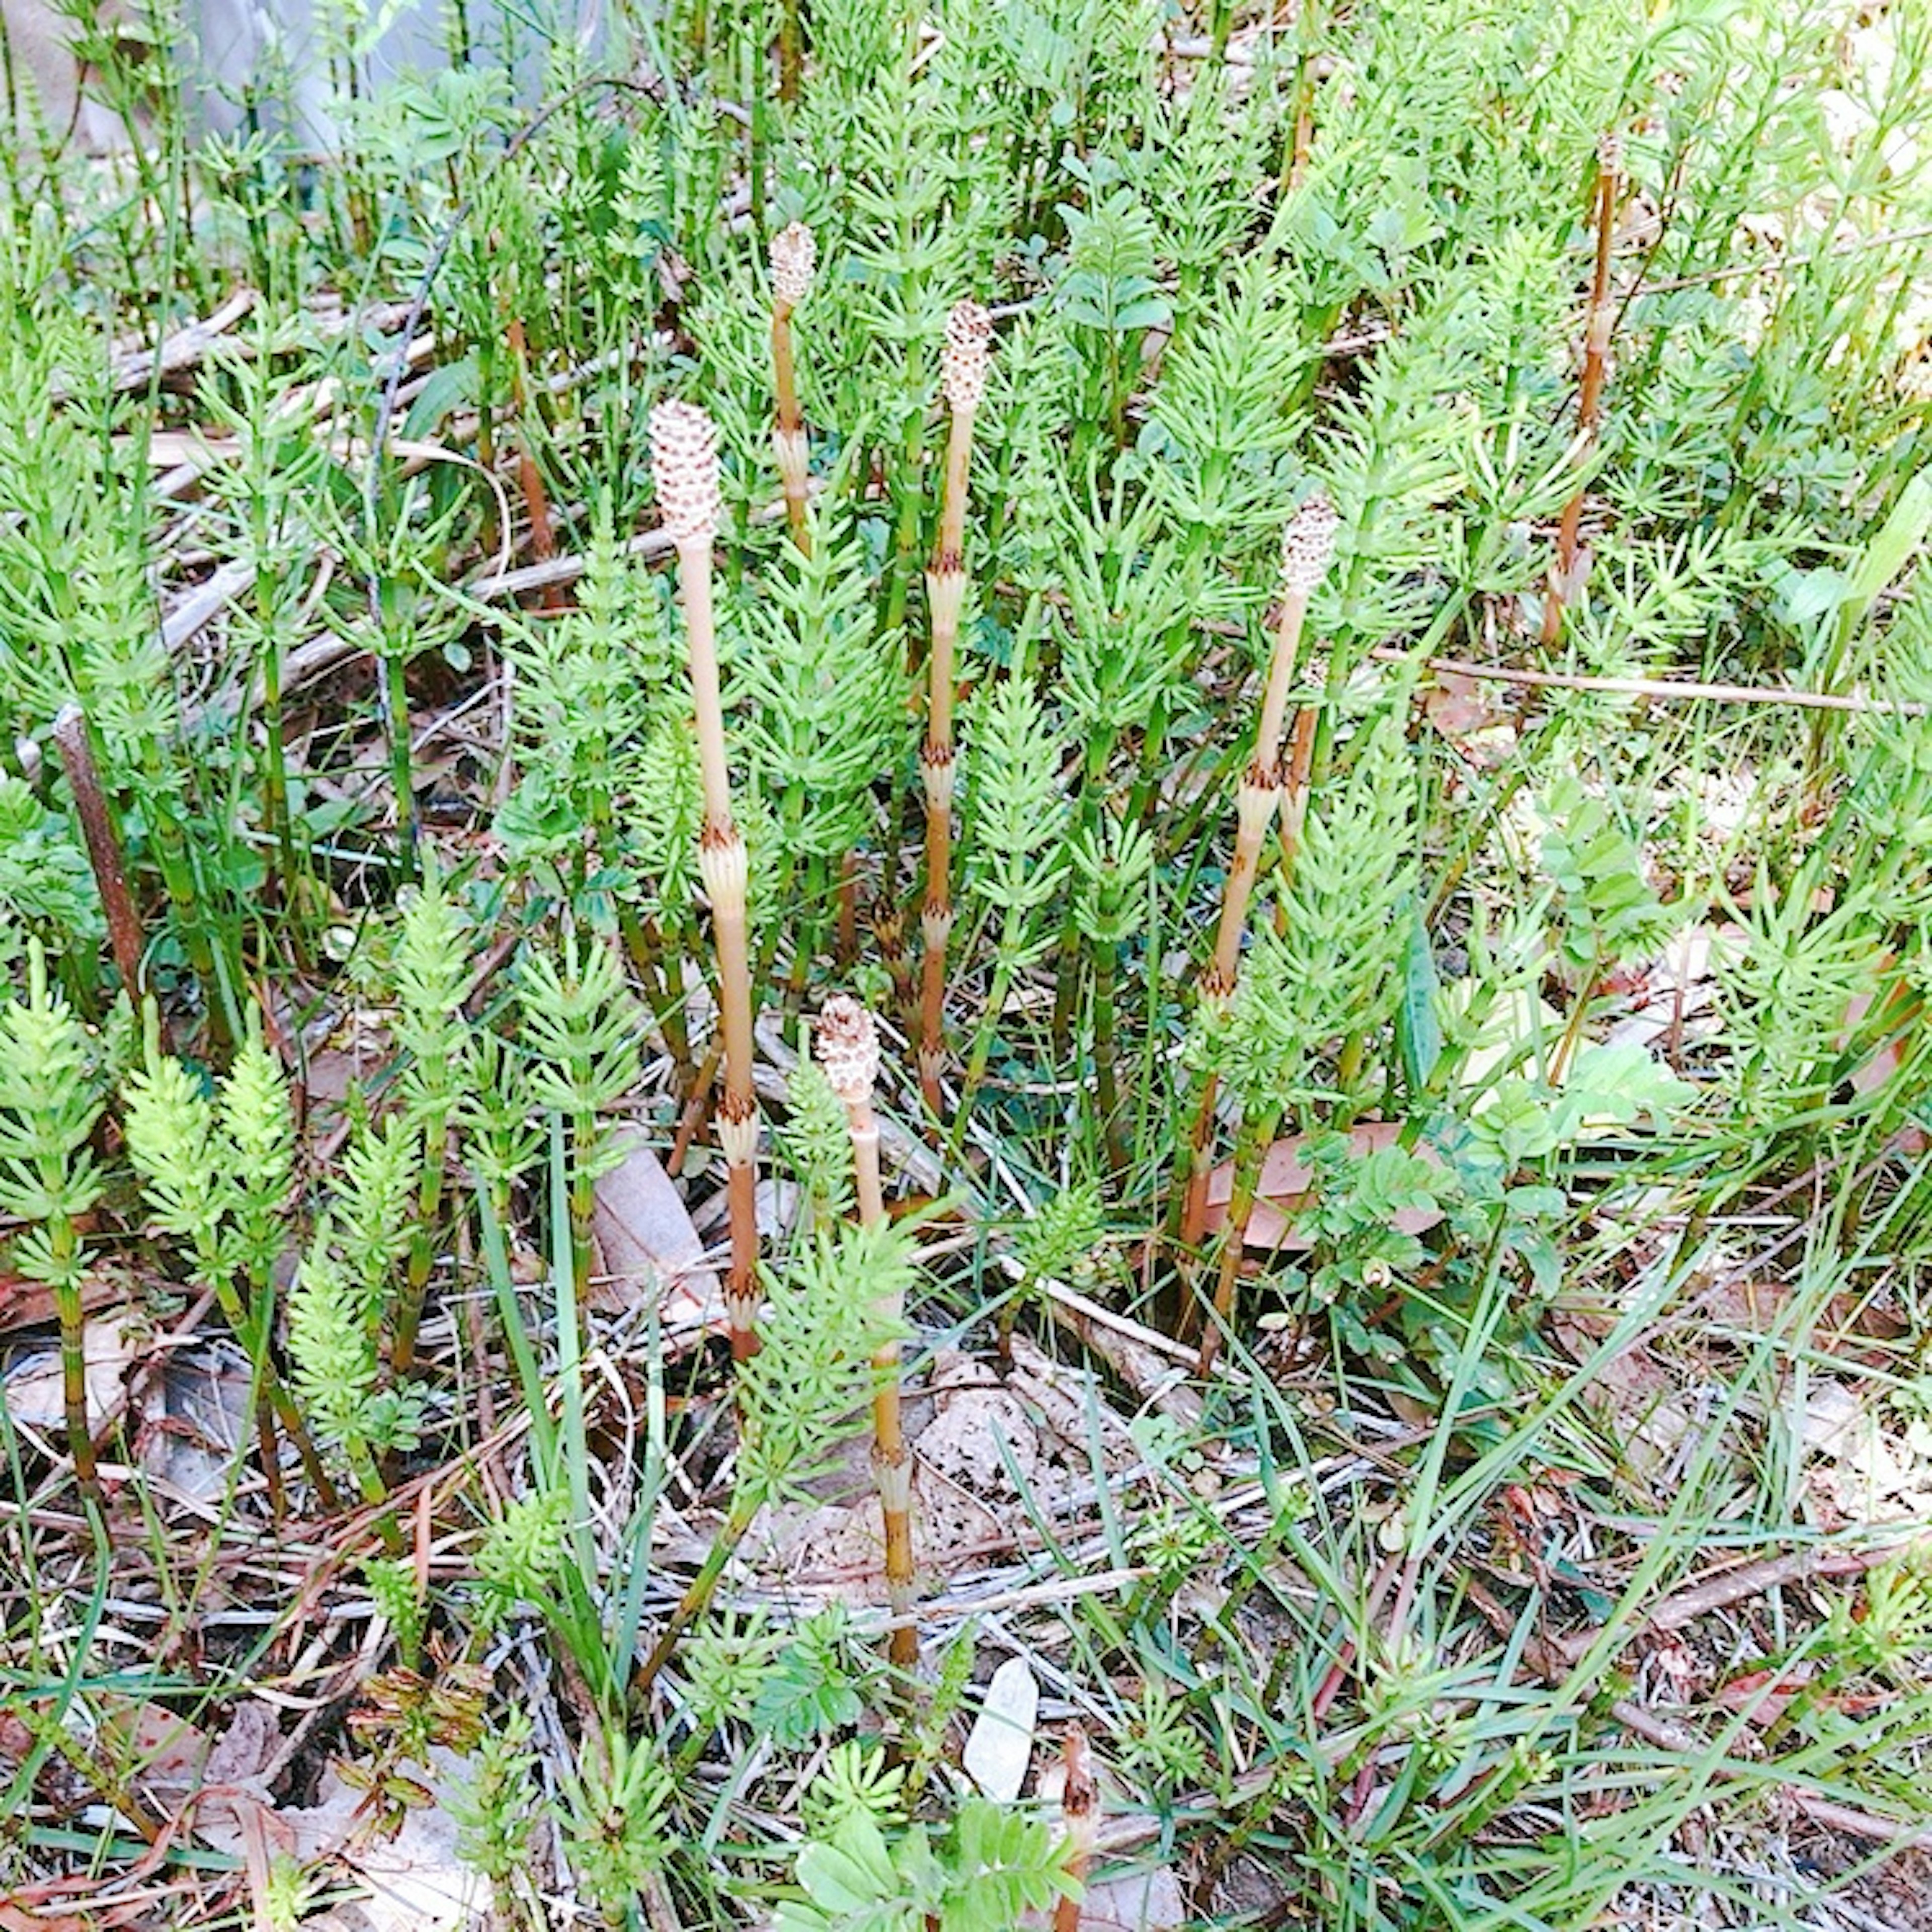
x=1565 y=585
x=1308 y=545
x=963 y=366
x=432 y=970
x=51 y=1095
x=336 y=1309
x=684 y=461
x=216 y=1170
x=798 y=1393
x=794 y=255
x=848 y=1051
x=1323 y=983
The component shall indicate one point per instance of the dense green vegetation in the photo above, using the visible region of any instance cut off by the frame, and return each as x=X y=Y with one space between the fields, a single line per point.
x=1320 y=618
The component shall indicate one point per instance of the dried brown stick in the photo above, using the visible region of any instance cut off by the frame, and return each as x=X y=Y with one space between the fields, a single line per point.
x=76 y=750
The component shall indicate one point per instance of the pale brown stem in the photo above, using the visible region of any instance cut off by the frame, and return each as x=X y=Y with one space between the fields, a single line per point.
x=1255 y=808
x=935 y=923
x=891 y=1460
x=1295 y=803
x=1261 y=791
x=722 y=861
x=945 y=594
x=694 y=574
x=1281 y=665
x=865 y=1127
x=788 y=440
x=1200 y=1166
x=951 y=553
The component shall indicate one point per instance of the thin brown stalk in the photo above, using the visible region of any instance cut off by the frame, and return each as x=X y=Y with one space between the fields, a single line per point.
x=794 y=255
x=848 y=1051
x=1564 y=585
x=968 y=337
x=684 y=457
x=103 y=847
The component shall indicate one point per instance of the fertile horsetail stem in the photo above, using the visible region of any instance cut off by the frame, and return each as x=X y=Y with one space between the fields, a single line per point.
x=848 y=1052
x=1308 y=545
x=794 y=255
x=963 y=366
x=684 y=460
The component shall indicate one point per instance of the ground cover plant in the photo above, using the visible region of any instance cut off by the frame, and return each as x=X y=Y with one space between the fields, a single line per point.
x=965 y=967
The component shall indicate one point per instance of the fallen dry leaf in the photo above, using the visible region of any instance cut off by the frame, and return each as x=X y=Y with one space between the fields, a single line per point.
x=30 y=1304
x=1287 y=1184
x=1460 y=708
x=647 y=1244
x=1903 y=1013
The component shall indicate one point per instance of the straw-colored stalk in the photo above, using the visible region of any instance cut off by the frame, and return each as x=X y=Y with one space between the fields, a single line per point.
x=1306 y=547
x=1564 y=584
x=848 y=1051
x=793 y=257
x=963 y=370
x=684 y=457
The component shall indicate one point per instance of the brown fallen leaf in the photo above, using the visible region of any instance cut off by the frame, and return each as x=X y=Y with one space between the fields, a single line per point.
x=1288 y=1186
x=1460 y=708
x=1904 y=1013
x=646 y=1245
x=30 y=1304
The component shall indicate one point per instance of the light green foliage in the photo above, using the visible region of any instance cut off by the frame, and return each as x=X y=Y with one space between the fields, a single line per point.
x=51 y=1095
x=584 y=687
x=727 y=1663
x=45 y=887
x=523 y=1551
x=991 y=1866
x=1579 y=1007
x=811 y=1690
x=332 y=1345
x=616 y=1823
x=580 y=1033
x=216 y=1168
x=817 y=1141
x=1356 y=869
x=431 y=971
x=497 y=1811
x=1016 y=808
x=1610 y=912
x=392 y=1586
x=1115 y=862
x=814 y=1373
x=855 y=1781
x=825 y=692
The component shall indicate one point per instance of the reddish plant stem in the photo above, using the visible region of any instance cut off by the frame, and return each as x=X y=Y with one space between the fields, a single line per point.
x=76 y=752
x=1596 y=355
